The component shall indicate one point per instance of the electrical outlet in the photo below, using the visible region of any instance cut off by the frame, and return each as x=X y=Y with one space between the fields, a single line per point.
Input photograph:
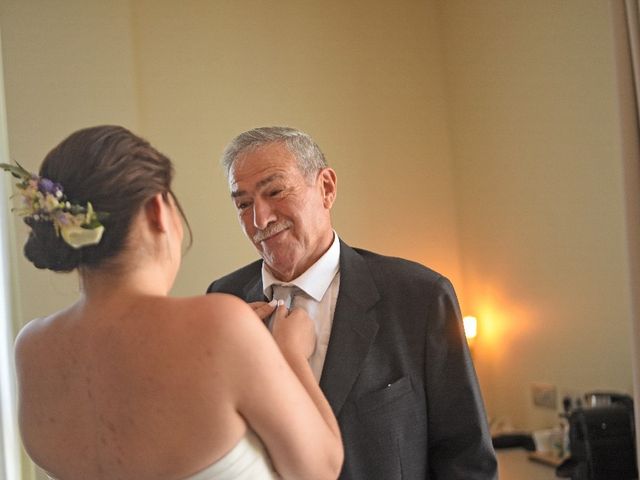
x=544 y=395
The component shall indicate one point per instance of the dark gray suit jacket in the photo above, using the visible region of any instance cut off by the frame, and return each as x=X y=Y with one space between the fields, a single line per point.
x=398 y=373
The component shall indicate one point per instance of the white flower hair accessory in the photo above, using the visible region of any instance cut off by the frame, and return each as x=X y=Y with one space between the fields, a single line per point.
x=44 y=200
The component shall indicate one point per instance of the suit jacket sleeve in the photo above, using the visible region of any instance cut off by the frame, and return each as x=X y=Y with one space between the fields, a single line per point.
x=459 y=442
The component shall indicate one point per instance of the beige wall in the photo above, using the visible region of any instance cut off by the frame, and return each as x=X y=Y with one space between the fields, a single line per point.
x=540 y=197
x=478 y=138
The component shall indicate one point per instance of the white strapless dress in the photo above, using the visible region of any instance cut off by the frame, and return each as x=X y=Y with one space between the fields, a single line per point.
x=248 y=460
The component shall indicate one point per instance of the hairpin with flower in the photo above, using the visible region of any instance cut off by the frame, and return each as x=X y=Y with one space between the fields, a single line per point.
x=44 y=200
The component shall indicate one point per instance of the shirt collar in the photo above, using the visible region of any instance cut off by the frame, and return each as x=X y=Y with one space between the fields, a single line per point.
x=316 y=279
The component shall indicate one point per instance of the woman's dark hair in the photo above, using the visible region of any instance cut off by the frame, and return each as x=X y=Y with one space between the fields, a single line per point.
x=115 y=170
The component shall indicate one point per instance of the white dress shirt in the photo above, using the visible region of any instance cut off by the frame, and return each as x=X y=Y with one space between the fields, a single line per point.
x=320 y=284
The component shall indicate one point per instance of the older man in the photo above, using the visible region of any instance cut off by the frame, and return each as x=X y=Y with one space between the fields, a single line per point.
x=391 y=355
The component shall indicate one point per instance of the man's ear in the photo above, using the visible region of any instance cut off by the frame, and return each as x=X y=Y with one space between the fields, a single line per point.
x=329 y=186
x=156 y=213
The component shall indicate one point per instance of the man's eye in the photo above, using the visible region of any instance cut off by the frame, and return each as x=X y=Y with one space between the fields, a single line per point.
x=275 y=193
x=242 y=205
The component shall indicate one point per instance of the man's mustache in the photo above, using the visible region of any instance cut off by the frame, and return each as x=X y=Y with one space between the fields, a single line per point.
x=271 y=230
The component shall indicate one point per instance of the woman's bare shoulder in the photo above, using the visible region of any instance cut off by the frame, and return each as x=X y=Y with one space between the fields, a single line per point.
x=218 y=312
x=31 y=338
x=213 y=307
x=228 y=328
x=34 y=329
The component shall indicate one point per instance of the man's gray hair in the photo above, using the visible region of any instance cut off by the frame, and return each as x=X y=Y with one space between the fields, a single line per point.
x=309 y=156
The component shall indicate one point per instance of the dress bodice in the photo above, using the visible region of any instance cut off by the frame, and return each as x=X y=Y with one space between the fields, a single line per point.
x=247 y=460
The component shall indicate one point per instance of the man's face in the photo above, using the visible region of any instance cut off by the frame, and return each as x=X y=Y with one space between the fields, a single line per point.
x=283 y=213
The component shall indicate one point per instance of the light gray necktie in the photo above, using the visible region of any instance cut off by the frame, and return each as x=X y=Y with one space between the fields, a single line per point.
x=296 y=297
x=285 y=293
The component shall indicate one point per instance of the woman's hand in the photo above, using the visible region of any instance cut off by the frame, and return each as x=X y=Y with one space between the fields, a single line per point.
x=294 y=332
x=264 y=309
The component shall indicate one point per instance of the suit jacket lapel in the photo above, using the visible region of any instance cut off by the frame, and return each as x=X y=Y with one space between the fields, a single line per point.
x=253 y=291
x=354 y=328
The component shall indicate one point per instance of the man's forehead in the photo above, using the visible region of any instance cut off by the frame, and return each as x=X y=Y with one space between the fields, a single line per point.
x=258 y=167
x=238 y=190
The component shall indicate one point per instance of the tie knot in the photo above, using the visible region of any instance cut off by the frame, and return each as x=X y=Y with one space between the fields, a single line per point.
x=285 y=293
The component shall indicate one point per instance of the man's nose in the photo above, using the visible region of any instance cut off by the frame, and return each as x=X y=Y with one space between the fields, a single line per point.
x=263 y=214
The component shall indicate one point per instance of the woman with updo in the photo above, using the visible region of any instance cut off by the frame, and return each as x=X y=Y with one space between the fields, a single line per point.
x=129 y=383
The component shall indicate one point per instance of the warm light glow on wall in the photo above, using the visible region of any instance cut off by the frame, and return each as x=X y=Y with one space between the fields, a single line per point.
x=470 y=327
x=504 y=324
x=495 y=329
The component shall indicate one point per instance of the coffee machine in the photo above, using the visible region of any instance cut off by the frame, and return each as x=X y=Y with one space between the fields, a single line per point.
x=601 y=439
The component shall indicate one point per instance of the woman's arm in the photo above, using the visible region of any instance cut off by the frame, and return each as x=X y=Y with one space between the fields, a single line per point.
x=294 y=334
x=276 y=392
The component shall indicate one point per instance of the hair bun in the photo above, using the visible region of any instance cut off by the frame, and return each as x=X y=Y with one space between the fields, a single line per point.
x=46 y=249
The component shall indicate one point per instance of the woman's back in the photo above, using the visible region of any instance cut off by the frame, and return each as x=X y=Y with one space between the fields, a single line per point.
x=138 y=389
